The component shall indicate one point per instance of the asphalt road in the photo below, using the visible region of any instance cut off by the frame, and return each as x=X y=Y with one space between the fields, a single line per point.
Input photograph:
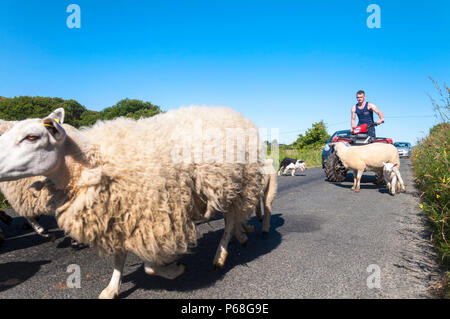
x=322 y=240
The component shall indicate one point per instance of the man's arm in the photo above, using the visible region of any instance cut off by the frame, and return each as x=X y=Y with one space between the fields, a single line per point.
x=353 y=123
x=376 y=110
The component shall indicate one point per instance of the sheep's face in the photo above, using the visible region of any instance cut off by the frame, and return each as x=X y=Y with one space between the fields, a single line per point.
x=32 y=147
x=388 y=171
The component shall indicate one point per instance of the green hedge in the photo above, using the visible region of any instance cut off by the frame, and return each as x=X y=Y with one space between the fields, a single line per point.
x=431 y=158
x=431 y=161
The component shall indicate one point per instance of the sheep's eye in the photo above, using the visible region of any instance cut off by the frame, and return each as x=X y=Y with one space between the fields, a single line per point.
x=32 y=138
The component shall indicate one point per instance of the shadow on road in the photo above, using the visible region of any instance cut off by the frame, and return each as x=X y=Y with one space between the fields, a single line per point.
x=365 y=179
x=199 y=272
x=22 y=272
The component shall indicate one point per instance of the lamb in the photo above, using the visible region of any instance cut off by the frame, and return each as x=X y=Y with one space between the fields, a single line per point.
x=269 y=191
x=366 y=158
x=391 y=175
x=138 y=186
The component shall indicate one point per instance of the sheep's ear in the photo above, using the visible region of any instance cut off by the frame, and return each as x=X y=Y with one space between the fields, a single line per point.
x=384 y=164
x=53 y=124
x=57 y=115
x=395 y=165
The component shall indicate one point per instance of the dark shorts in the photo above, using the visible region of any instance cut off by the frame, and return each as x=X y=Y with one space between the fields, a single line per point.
x=371 y=131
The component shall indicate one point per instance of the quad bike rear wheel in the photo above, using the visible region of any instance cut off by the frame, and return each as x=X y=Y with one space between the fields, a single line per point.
x=334 y=169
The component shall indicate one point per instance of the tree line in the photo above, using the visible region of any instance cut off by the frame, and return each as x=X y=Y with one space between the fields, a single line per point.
x=23 y=107
x=312 y=140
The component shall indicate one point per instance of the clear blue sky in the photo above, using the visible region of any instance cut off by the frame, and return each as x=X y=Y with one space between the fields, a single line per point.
x=284 y=64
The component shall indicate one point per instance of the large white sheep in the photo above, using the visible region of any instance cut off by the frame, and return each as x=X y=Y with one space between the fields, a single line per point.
x=366 y=158
x=137 y=186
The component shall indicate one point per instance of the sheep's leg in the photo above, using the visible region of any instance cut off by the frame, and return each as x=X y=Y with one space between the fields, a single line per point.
x=210 y=211
x=170 y=271
x=246 y=228
x=355 y=174
x=41 y=231
x=222 y=252
x=402 y=185
x=393 y=184
x=267 y=214
x=113 y=288
x=388 y=184
x=358 y=180
x=258 y=210
x=239 y=232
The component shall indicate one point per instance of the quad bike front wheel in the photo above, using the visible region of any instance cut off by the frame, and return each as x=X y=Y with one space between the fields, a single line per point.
x=334 y=169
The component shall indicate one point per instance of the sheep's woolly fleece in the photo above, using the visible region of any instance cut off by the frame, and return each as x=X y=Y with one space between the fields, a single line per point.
x=127 y=193
x=370 y=157
x=17 y=193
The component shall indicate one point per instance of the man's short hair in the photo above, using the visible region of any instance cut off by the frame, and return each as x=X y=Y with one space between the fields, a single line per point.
x=360 y=92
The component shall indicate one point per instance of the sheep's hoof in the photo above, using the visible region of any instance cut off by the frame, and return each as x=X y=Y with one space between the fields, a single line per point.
x=108 y=294
x=49 y=236
x=221 y=262
x=76 y=245
x=217 y=267
x=356 y=190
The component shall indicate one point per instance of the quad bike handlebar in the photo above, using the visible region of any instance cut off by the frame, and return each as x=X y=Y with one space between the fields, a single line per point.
x=363 y=128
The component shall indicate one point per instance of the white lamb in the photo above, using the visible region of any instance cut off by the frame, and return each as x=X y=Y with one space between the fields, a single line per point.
x=366 y=158
x=137 y=186
x=391 y=175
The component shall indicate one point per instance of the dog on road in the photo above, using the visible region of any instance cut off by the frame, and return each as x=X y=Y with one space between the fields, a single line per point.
x=292 y=164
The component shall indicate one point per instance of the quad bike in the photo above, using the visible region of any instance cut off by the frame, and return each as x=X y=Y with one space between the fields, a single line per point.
x=334 y=169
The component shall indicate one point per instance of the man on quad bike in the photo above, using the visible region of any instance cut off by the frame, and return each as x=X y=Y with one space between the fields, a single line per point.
x=365 y=110
x=362 y=134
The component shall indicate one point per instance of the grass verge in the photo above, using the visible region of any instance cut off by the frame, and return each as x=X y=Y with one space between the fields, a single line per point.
x=431 y=161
